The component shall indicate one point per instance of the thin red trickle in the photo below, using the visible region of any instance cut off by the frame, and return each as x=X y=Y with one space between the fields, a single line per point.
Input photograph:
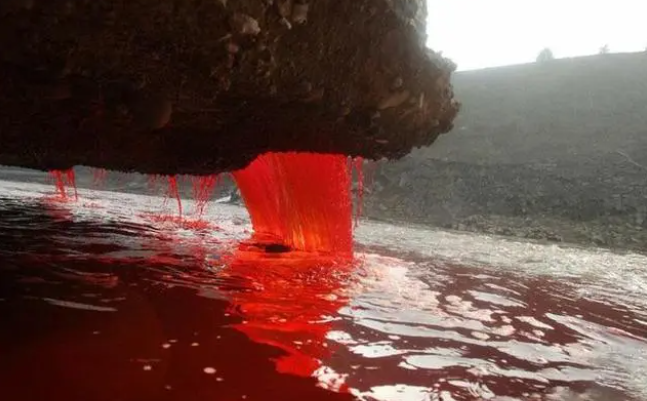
x=59 y=182
x=71 y=180
x=203 y=188
x=300 y=199
x=62 y=178
x=175 y=193
x=359 y=163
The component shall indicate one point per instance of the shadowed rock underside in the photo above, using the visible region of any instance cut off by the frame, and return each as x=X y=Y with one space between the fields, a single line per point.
x=202 y=86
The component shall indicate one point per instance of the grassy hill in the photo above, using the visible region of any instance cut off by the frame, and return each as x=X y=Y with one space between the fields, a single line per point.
x=537 y=147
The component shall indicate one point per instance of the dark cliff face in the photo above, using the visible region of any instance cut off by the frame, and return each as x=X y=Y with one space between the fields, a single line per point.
x=553 y=151
x=197 y=86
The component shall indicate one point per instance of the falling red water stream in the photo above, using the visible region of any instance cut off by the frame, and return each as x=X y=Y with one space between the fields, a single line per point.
x=61 y=179
x=71 y=180
x=59 y=183
x=203 y=188
x=174 y=192
x=301 y=200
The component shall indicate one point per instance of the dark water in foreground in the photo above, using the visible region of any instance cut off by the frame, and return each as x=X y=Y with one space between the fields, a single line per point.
x=101 y=301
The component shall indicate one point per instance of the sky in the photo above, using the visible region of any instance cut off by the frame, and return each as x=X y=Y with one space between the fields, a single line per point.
x=487 y=33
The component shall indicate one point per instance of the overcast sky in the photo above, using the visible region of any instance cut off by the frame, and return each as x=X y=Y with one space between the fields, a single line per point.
x=486 y=33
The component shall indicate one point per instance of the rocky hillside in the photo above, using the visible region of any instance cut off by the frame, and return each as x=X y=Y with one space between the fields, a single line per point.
x=554 y=150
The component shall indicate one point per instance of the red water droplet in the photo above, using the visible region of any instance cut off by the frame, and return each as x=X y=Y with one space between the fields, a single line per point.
x=300 y=199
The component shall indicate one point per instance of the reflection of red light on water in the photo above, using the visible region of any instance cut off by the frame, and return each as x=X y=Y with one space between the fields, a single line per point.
x=291 y=294
x=300 y=199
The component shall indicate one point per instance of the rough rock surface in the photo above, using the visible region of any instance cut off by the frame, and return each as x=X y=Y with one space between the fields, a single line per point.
x=200 y=86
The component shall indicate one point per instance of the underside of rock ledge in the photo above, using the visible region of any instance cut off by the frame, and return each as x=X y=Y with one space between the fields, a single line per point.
x=203 y=86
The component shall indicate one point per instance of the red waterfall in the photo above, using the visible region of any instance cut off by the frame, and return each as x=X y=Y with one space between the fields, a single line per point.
x=301 y=200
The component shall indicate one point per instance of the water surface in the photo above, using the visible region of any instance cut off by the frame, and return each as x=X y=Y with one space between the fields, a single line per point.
x=108 y=299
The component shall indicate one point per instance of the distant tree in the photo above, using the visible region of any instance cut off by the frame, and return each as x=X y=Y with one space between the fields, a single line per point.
x=545 y=55
x=604 y=49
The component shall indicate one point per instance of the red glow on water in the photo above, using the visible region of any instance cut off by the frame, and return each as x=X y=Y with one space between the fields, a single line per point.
x=175 y=193
x=300 y=199
x=62 y=179
x=293 y=293
x=203 y=188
